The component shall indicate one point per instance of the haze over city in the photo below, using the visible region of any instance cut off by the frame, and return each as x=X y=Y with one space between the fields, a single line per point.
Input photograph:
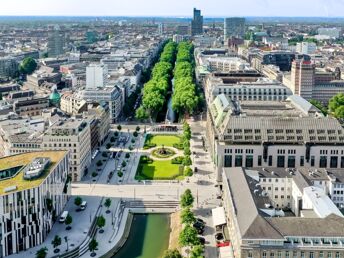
x=215 y=8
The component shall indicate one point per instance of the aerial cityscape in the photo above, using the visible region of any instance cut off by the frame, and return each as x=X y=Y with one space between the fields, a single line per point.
x=143 y=129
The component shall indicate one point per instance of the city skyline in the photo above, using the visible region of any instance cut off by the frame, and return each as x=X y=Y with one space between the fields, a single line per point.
x=264 y=8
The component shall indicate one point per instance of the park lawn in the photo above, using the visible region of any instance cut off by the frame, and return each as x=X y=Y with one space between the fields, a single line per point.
x=160 y=139
x=158 y=170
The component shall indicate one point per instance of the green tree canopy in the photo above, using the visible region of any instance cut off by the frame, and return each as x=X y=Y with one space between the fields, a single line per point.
x=336 y=101
x=92 y=245
x=197 y=251
x=187 y=216
x=78 y=201
x=101 y=221
x=186 y=199
x=56 y=241
x=188 y=236
x=339 y=113
x=107 y=203
x=172 y=254
x=42 y=253
x=319 y=105
x=28 y=66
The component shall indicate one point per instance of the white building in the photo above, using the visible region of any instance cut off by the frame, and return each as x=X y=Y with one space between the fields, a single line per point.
x=29 y=207
x=96 y=76
x=330 y=32
x=306 y=48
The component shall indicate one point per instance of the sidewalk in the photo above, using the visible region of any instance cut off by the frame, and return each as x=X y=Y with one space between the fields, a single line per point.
x=81 y=224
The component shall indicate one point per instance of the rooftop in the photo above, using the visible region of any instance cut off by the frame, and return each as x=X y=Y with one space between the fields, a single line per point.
x=23 y=160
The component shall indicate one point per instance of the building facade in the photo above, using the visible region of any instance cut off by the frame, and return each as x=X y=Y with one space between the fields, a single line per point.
x=234 y=27
x=29 y=210
x=197 y=23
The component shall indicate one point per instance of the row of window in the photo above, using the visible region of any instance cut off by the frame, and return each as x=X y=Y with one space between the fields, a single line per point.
x=281 y=161
x=295 y=254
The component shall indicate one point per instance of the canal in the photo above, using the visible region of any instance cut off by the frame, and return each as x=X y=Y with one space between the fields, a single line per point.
x=148 y=238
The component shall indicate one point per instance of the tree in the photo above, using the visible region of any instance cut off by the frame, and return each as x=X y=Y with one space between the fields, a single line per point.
x=27 y=66
x=188 y=171
x=107 y=203
x=137 y=128
x=42 y=253
x=172 y=254
x=92 y=246
x=124 y=163
x=56 y=242
x=127 y=155
x=197 y=251
x=339 y=113
x=188 y=236
x=78 y=201
x=336 y=101
x=119 y=127
x=115 y=134
x=101 y=223
x=319 y=105
x=187 y=151
x=187 y=161
x=141 y=114
x=135 y=134
x=186 y=131
x=186 y=199
x=187 y=216
x=69 y=221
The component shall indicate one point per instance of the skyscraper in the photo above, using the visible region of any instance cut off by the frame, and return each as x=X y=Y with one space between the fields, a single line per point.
x=234 y=27
x=56 y=43
x=161 y=28
x=197 y=23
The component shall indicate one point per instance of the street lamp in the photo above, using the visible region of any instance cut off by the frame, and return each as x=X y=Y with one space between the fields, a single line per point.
x=66 y=239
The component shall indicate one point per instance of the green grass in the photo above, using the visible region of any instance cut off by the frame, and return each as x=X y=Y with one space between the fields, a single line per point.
x=158 y=170
x=160 y=139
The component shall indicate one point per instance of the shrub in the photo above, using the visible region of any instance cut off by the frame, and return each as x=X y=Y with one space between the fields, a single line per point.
x=99 y=163
x=127 y=155
x=120 y=173
x=108 y=145
x=145 y=160
x=188 y=171
x=115 y=134
x=178 y=146
x=104 y=154
x=132 y=140
x=124 y=163
x=112 y=139
x=94 y=174
x=187 y=161
x=177 y=160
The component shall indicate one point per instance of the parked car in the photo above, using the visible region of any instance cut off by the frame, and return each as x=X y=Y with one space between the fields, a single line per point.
x=198 y=225
x=83 y=205
x=201 y=240
x=200 y=220
x=200 y=231
x=63 y=217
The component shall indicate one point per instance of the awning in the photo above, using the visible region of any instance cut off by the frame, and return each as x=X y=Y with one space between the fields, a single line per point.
x=226 y=252
x=219 y=217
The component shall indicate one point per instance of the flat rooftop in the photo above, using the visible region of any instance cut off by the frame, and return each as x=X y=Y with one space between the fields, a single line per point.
x=24 y=160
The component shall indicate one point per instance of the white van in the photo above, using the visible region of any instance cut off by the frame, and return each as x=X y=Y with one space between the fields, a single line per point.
x=83 y=205
x=63 y=217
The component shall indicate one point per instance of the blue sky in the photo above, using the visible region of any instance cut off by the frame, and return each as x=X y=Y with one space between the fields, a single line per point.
x=210 y=8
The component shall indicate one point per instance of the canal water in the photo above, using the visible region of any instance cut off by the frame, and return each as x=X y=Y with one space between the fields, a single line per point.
x=148 y=238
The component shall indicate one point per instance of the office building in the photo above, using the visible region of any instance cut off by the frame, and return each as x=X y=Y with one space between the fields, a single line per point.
x=8 y=67
x=234 y=27
x=309 y=82
x=34 y=189
x=96 y=76
x=72 y=104
x=275 y=213
x=73 y=135
x=183 y=30
x=290 y=133
x=306 y=48
x=161 y=28
x=333 y=33
x=56 y=42
x=197 y=23
x=260 y=89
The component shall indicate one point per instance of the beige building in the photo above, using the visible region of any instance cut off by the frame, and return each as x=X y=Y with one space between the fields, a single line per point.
x=71 y=104
x=73 y=135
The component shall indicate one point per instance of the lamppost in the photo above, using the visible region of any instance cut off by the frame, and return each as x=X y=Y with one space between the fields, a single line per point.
x=66 y=239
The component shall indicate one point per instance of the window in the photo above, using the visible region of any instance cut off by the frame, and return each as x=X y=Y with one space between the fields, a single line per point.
x=337 y=255
x=249 y=255
x=270 y=160
x=280 y=161
x=323 y=162
x=329 y=255
x=321 y=254
x=302 y=161
x=302 y=254
x=228 y=161
x=249 y=161
x=334 y=162
x=264 y=255
x=286 y=254
x=260 y=160
x=342 y=162
x=311 y=255
x=291 y=161
x=238 y=160
x=312 y=161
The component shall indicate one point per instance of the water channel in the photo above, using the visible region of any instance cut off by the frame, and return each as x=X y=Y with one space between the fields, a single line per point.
x=148 y=237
